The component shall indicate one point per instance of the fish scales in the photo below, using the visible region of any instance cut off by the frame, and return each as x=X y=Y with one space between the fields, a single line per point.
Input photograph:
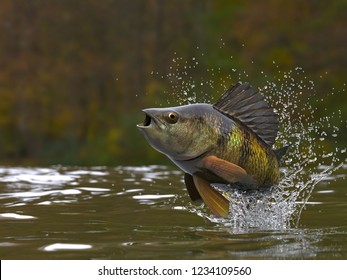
x=243 y=148
x=229 y=142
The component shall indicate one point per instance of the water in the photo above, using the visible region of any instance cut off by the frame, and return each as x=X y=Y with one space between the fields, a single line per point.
x=145 y=213
x=303 y=126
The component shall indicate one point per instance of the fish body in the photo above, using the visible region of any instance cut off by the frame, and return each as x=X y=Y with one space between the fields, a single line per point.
x=229 y=142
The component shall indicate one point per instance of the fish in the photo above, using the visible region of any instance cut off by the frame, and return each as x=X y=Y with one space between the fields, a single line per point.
x=229 y=142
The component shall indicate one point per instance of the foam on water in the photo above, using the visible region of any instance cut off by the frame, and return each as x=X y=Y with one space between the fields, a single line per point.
x=309 y=159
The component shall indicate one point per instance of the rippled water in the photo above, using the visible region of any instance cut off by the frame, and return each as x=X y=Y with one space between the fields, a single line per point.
x=145 y=213
x=311 y=160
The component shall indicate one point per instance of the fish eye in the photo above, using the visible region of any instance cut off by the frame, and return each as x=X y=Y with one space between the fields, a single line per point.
x=172 y=117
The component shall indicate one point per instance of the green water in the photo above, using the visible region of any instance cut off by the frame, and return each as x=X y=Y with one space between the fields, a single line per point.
x=145 y=213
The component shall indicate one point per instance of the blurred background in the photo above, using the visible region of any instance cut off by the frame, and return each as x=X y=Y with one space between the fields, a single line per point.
x=74 y=75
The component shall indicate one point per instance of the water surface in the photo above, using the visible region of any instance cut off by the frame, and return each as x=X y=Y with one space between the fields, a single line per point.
x=145 y=213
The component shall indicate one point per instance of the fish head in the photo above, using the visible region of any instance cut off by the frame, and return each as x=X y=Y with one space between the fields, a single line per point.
x=181 y=132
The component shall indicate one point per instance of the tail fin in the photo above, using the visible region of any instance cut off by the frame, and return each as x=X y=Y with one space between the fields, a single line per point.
x=281 y=152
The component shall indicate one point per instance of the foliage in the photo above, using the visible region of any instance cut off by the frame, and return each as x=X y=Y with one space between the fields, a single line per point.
x=74 y=75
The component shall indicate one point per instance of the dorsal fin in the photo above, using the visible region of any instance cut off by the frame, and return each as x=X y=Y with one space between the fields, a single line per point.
x=245 y=104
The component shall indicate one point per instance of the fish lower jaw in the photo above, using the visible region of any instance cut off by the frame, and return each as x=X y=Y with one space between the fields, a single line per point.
x=140 y=125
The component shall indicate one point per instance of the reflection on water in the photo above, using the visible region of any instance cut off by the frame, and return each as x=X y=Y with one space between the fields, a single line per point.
x=145 y=213
x=61 y=246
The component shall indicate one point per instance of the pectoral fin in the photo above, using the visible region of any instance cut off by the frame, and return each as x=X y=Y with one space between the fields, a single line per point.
x=217 y=203
x=228 y=171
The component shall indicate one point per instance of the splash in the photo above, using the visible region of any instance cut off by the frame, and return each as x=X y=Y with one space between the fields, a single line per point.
x=309 y=160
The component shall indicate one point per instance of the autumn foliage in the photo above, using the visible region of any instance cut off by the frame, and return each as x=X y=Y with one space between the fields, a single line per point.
x=74 y=75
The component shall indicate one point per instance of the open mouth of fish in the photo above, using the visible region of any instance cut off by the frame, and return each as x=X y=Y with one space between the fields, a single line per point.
x=148 y=121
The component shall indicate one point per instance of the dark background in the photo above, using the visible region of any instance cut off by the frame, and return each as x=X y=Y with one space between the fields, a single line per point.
x=74 y=75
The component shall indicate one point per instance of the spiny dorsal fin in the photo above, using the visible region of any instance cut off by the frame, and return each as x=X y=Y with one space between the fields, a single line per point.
x=246 y=104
